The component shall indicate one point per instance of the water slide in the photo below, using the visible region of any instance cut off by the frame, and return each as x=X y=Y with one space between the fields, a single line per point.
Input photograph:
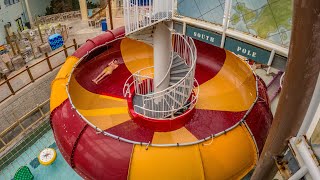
x=100 y=139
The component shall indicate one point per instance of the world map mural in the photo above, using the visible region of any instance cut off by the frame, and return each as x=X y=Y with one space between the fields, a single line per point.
x=266 y=19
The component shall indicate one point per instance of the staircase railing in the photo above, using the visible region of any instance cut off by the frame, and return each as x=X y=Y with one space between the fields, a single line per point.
x=141 y=81
x=173 y=98
x=165 y=111
x=142 y=13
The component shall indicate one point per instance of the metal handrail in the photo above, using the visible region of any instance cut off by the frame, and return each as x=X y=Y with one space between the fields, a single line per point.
x=140 y=14
x=134 y=77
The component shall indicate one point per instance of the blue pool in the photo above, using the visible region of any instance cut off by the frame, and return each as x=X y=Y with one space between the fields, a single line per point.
x=58 y=170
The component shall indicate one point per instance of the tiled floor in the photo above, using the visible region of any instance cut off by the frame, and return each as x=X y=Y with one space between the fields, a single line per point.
x=58 y=170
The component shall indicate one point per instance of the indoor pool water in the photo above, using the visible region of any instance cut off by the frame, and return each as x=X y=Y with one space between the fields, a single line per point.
x=58 y=170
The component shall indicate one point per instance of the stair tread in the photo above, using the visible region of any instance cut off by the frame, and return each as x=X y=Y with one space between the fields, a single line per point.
x=177 y=58
x=176 y=78
x=179 y=71
x=176 y=64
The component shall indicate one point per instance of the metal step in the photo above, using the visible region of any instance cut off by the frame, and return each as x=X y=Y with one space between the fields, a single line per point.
x=142 y=36
x=145 y=35
x=175 y=78
x=147 y=39
x=177 y=59
x=143 y=32
x=180 y=71
x=177 y=64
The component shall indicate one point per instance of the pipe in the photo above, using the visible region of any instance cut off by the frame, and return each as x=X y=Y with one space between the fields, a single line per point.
x=299 y=84
x=297 y=156
x=299 y=174
x=312 y=110
x=314 y=123
x=309 y=162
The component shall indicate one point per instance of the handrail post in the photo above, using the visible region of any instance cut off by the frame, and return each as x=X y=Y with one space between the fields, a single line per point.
x=21 y=125
x=75 y=44
x=40 y=110
x=65 y=51
x=29 y=73
x=4 y=143
x=9 y=85
x=48 y=61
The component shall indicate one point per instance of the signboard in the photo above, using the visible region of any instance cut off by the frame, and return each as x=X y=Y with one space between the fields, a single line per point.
x=252 y=52
x=204 y=35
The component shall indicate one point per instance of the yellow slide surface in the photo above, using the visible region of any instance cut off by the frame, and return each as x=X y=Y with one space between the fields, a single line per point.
x=229 y=156
x=102 y=111
x=58 y=85
x=136 y=55
x=232 y=89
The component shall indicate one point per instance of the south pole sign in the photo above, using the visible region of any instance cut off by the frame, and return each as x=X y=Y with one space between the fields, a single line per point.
x=238 y=47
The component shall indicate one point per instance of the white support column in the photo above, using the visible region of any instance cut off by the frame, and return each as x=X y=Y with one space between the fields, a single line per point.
x=162 y=50
x=184 y=28
x=225 y=23
x=83 y=10
x=29 y=13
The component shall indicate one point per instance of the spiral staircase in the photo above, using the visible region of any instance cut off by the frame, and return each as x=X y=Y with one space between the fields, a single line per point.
x=177 y=91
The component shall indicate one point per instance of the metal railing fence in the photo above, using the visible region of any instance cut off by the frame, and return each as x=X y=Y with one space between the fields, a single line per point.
x=139 y=14
x=33 y=76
